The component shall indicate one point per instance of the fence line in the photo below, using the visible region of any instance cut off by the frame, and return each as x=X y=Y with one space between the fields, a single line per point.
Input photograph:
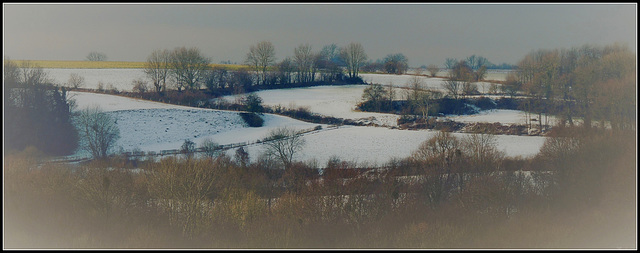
x=197 y=150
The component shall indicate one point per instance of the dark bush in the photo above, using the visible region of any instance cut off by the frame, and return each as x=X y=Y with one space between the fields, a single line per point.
x=507 y=103
x=38 y=116
x=454 y=106
x=252 y=119
x=485 y=103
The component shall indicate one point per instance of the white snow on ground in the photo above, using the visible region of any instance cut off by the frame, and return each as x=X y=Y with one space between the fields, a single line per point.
x=108 y=102
x=335 y=101
x=375 y=146
x=491 y=116
x=499 y=115
x=119 y=78
x=154 y=126
x=404 y=81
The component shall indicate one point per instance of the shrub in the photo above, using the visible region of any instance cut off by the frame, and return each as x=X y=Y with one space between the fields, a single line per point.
x=454 y=106
x=507 y=103
x=485 y=103
x=252 y=119
x=188 y=148
x=140 y=86
x=210 y=148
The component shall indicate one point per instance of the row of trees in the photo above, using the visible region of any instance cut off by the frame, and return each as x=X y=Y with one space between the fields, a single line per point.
x=186 y=68
x=391 y=64
x=588 y=82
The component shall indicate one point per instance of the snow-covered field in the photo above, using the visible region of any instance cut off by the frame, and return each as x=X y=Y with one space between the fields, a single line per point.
x=151 y=126
x=405 y=81
x=335 y=101
x=376 y=146
x=120 y=79
x=498 y=115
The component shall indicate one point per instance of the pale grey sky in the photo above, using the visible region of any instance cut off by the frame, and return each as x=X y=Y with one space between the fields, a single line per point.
x=425 y=33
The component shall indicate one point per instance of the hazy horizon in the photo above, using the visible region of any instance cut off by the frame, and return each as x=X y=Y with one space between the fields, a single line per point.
x=425 y=33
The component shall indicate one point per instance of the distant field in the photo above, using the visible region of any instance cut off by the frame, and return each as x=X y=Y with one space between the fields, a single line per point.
x=101 y=64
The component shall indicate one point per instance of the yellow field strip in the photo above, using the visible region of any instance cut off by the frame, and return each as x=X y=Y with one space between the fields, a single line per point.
x=100 y=64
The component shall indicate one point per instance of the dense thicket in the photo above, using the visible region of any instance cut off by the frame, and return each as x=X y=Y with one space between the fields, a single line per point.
x=36 y=113
x=579 y=192
x=594 y=83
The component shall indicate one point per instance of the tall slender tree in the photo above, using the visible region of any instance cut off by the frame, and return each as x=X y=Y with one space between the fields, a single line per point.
x=354 y=57
x=260 y=57
x=157 y=68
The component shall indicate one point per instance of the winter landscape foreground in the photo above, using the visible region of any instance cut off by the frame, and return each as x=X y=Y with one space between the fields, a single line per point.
x=153 y=127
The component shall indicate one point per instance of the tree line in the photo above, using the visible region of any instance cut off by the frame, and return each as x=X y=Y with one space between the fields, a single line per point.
x=590 y=83
x=188 y=69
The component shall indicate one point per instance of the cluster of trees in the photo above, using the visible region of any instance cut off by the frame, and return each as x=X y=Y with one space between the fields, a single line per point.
x=36 y=112
x=450 y=193
x=98 y=131
x=184 y=68
x=188 y=69
x=589 y=82
x=96 y=56
x=476 y=62
x=391 y=64
x=39 y=114
x=416 y=100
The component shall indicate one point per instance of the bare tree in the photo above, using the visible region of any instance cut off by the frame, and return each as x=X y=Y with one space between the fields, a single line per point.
x=96 y=56
x=99 y=130
x=11 y=71
x=433 y=69
x=285 y=70
x=449 y=63
x=375 y=95
x=396 y=63
x=482 y=152
x=189 y=67
x=469 y=88
x=304 y=61
x=479 y=66
x=210 y=148
x=453 y=87
x=261 y=56
x=139 y=85
x=157 y=68
x=354 y=57
x=217 y=78
x=31 y=74
x=75 y=81
x=512 y=85
x=460 y=78
x=439 y=156
x=186 y=188
x=420 y=98
x=329 y=62
x=283 y=143
x=188 y=148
